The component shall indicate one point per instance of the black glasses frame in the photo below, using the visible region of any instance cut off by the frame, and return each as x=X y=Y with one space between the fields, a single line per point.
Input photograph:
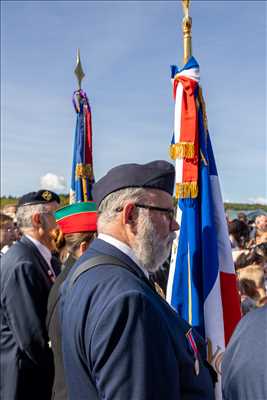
x=169 y=211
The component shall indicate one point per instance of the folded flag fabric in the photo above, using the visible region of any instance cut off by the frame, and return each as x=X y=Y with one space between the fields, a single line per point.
x=202 y=282
x=82 y=166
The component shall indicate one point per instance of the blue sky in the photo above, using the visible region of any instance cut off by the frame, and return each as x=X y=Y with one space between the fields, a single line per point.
x=126 y=51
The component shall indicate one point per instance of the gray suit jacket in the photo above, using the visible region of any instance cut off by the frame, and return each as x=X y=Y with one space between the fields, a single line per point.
x=244 y=366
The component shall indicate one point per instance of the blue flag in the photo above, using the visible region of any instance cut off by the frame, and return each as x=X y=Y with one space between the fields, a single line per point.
x=82 y=166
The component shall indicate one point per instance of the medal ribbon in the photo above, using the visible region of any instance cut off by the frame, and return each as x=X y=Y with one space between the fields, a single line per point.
x=192 y=343
x=193 y=346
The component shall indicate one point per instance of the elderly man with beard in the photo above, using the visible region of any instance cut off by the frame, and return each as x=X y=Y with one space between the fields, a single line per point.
x=27 y=274
x=120 y=339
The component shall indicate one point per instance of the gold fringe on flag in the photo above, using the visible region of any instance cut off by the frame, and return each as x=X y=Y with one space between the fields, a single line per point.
x=182 y=150
x=186 y=190
x=84 y=171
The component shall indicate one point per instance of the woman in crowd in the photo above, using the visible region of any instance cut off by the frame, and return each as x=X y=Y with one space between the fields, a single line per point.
x=248 y=295
x=77 y=224
x=250 y=266
x=7 y=233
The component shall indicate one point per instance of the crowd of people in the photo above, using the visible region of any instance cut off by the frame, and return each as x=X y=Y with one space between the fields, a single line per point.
x=249 y=248
x=83 y=313
x=244 y=368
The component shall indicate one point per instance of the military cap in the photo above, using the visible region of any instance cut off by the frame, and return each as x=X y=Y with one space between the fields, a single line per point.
x=77 y=217
x=40 y=197
x=156 y=175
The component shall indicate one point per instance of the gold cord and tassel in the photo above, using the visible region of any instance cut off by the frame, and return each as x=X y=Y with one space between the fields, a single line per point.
x=203 y=109
x=84 y=172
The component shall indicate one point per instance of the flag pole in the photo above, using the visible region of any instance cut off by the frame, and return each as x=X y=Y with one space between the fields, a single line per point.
x=187 y=26
x=80 y=75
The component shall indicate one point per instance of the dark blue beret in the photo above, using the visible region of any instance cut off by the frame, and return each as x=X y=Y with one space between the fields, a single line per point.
x=156 y=175
x=40 y=197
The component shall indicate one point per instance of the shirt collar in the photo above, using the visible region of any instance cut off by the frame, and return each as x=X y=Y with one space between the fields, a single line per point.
x=5 y=249
x=124 y=248
x=45 y=252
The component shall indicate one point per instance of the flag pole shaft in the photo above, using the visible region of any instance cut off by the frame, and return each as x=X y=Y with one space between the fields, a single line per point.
x=187 y=26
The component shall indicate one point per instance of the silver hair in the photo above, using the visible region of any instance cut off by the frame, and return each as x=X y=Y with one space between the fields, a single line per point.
x=24 y=214
x=107 y=209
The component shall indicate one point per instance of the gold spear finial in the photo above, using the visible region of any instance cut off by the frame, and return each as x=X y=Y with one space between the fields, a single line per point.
x=79 y=70
x=187 y=25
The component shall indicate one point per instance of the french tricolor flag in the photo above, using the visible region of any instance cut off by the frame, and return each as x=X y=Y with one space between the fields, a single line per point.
x=202 y=283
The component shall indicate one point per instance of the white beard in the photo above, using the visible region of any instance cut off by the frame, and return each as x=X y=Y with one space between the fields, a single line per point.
x=149 y=248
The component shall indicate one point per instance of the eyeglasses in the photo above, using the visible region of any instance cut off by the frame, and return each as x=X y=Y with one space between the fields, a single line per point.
x=169 y=211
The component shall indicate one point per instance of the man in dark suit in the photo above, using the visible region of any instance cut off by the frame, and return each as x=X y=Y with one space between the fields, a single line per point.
x=244 y=365
x=121 y=340
x=27 y=275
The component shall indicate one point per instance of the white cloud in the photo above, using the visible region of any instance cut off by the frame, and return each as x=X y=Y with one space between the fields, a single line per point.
x=258 y=200
x=52 y=182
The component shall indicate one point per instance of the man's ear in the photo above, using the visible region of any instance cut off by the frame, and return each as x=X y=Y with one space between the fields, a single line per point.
x=129 y=214
x=36 y=220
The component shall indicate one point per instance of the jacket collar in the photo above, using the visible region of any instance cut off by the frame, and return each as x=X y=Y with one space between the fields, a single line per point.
x=42 y=262
x=124 y=248
x=101 y=246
